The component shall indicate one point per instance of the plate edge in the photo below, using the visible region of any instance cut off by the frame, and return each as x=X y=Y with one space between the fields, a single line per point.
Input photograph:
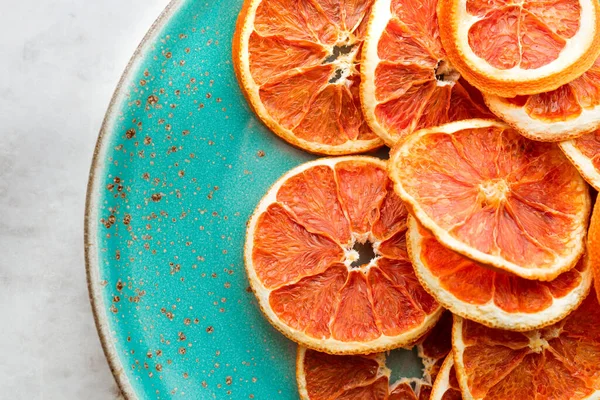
x=92 y=192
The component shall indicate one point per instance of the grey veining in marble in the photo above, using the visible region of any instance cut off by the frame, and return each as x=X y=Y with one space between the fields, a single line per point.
x=59 y=63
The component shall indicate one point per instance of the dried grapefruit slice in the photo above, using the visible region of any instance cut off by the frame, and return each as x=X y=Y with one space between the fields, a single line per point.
x=297 y=64
x=560 y=362
x=520 y=47
x=593 y=246
x=446 y=385
x=494 y=196
x=326 y=257
x=407 y=81
x=565 y=113
x=584 y=153
x=323 y=376
x=492 y=297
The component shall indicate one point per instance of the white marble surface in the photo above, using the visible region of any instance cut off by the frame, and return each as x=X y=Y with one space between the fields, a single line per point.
x=59 y=63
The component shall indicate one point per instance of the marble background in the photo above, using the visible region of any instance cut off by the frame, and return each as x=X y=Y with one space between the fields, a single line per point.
x=60 y=60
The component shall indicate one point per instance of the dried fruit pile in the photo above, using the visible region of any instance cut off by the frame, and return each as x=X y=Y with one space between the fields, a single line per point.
x=492 y=111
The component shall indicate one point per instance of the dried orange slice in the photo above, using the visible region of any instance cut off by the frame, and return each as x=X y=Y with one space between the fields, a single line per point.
x=520 y=47
x=492 y=297
x=297 y=64
x=560 y=362
x=407 y=81
x=593 y=246
x=565 y=113
x=494 y=196
x=323 y=376
x=326 y=257
x=446 y=385
x=584 y=153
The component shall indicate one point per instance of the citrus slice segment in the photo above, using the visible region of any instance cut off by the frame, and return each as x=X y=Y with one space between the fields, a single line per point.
x=322 y=376
x=297 y=64
x=446 y=385
x=492 y=297
x=326 y=376
x=407 y=81
x=511 y=48
x=561 y=362
x=593 y=246
x=562 y=114
x=584 y=153
x=494 y=196
x=326 y=257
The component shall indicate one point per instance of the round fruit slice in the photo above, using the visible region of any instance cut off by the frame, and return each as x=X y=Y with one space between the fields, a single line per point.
x=323 y=376
x=326 y=257
x=511 y=48
x=407 y=81
x=560 y=362
x=297 y=64
x=565 y=113
x=494 y=196
x=492 y=297
x=584 y=153
x=446 y=385
x=594 y=246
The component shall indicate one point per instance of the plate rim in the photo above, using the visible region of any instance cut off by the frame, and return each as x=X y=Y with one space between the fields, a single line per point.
x=90 y=231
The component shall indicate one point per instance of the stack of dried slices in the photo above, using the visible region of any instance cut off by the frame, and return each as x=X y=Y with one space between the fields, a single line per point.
x=492 y=111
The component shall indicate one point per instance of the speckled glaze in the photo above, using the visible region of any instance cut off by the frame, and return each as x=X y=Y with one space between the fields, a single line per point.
x=180 y=165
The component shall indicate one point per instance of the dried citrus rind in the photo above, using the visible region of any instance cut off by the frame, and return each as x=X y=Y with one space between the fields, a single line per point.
x=561 y=361
x=492 y=297
x=494 y=196
x=407 y=81
x=584 y=153
x=511 y=48
x=566 y=113
x=297 y=63
x=308 y=275
x=446 y=385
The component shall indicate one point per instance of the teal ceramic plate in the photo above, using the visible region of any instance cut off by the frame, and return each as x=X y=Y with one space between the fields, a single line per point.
x=180 y=164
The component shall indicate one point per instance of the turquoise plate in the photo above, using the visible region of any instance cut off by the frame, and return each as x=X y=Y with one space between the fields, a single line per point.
x=180 y=164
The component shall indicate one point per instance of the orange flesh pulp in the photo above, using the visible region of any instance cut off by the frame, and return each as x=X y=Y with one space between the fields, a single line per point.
x=303 y=55
x=589 y=146
x=567 y=102
x=559 y=362
x=359 y=377
x=303 y=239
x=522 y=33
x=497 y=192
x=416 y=87
x=475 y=284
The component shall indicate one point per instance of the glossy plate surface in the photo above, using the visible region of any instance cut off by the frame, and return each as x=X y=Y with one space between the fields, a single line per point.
x=180 y=165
